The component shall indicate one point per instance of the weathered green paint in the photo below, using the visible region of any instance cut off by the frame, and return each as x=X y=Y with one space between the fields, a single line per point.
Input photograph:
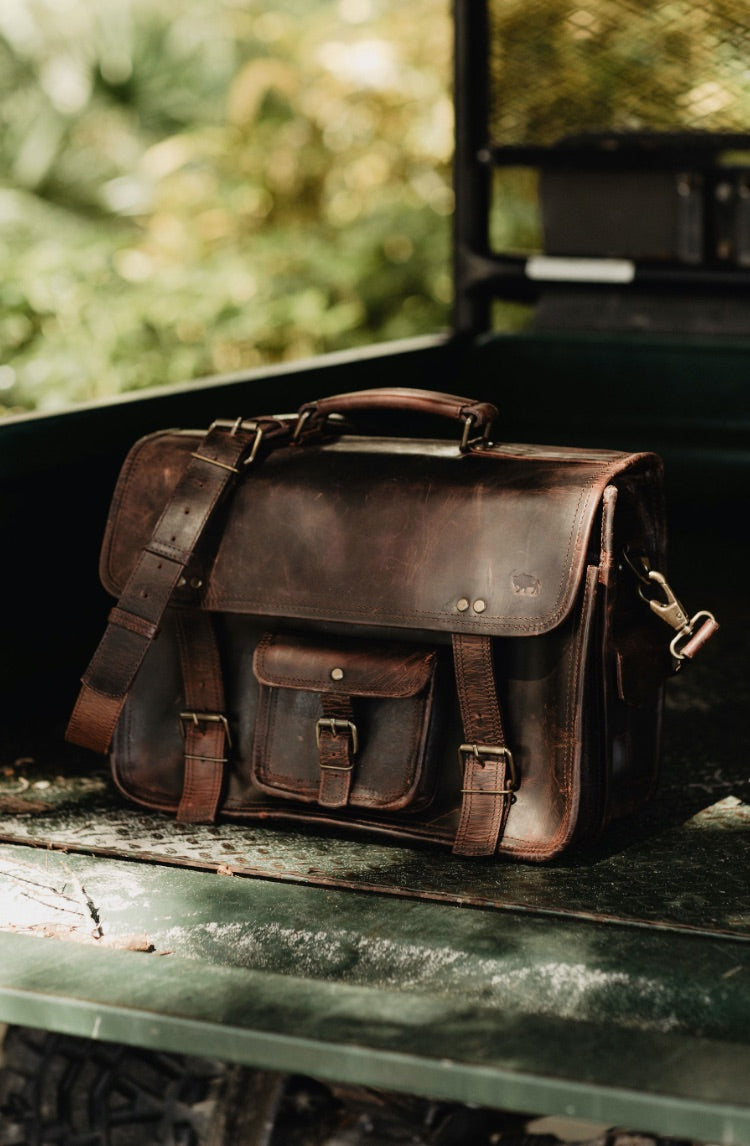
x=682 y=878
x=511 y=963
x=646 y=1029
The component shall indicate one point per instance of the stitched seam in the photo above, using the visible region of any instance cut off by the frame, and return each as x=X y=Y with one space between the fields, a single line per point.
x=266 y=726
x=278 y=680
x=303 y=684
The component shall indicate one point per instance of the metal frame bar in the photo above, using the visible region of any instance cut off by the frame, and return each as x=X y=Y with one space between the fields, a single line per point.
x=480 y=275
x=471 y=177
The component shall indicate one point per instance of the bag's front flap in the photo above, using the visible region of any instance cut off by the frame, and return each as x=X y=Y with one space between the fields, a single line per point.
x=373 y=532
x=369 y=669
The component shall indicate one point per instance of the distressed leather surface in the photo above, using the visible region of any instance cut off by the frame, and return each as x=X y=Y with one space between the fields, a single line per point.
x=543 y=683
x=160 y=565
x=388 y=533
x=356 y=668
x=385 y=691
x=487 y=788
x=379 y=540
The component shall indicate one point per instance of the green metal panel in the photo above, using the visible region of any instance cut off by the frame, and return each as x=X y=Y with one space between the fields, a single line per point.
x=687 y=398
x=498 y=1009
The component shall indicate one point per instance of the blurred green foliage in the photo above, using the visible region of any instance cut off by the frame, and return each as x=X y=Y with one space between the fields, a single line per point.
x=198 y=186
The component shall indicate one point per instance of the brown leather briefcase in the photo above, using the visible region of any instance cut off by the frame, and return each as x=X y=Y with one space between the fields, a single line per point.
x=418 y=639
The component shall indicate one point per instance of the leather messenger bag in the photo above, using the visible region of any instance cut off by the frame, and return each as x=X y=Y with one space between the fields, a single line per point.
x=416 y=639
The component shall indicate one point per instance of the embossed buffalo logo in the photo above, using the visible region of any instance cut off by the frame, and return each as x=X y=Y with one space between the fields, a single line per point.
x=525 y=584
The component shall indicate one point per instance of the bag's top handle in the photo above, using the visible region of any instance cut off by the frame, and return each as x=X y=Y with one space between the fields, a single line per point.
x=477 y=417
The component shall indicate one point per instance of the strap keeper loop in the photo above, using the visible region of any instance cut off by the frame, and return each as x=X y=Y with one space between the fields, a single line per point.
x=132 y=623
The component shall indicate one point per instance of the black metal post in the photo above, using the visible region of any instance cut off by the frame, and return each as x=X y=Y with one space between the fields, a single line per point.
x=471 y=313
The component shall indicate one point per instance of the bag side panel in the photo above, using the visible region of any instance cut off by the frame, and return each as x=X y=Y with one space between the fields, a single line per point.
x=635 y=643
x=562 y=771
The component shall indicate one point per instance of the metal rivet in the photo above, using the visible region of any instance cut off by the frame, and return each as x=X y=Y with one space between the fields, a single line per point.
x=181 y=583
x=480 y=606
x=337 y=674
x=463 y=604
x=196 y=583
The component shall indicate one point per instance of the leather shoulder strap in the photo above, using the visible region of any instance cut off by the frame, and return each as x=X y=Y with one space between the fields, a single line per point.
x=133 y=623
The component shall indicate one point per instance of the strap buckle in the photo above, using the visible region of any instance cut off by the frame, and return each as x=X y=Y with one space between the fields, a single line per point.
x=198 y=718
x=480 y=750
x=336 y=725
x=241 y=424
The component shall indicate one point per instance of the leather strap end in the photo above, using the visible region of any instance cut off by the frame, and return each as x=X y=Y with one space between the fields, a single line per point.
x=487 y=799
x=336 y=736
x=488 y=777
x=335 y=773
x=205 y=761
x=204 y=725
x=94 y=719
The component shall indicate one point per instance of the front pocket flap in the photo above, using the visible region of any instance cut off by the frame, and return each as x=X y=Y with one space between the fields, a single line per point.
x=373 y=669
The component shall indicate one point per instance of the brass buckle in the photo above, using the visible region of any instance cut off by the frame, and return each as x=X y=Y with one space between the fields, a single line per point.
x=479 y=750
x=334 y=725
x=198 y=718
x=234 y=427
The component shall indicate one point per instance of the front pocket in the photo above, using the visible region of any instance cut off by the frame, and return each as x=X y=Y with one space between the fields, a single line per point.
x=344 y=723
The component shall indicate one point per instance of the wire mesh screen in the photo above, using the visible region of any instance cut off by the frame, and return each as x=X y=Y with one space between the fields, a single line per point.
x=563 y=67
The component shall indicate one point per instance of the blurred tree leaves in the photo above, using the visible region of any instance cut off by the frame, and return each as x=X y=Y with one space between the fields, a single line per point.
x=205 y=185
x=199 y=186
